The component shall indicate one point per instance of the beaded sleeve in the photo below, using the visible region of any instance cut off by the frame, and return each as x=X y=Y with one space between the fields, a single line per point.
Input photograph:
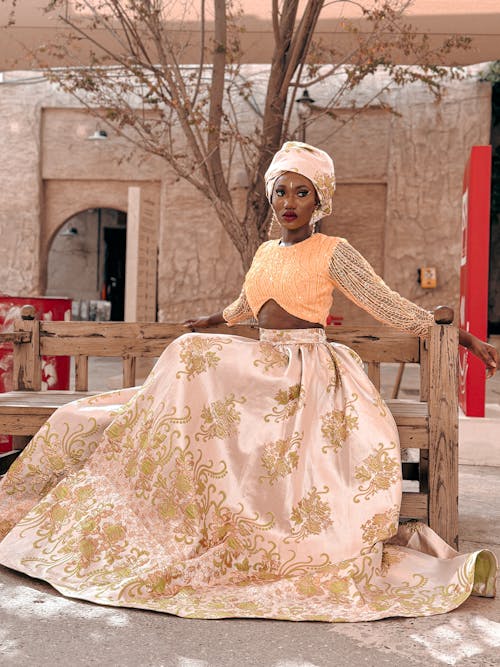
x=238 y=311
x=355 y=277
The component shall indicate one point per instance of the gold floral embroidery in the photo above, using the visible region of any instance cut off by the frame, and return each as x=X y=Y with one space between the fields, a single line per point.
x=56 y=450
x=379 y=403
x=142 y=441
x=354 y=355
x=338 y=424
x=198 y=354
x=413 y=526
x=281 y=457
x=5 y=527
x=290 y=400
x=390 y=556
x=220 y=418
x=311 y=515
x=325 y=186
x=176 y=497
x=272 y=356
x=335 y=368
x=378 y=473
x=381 y=526
x=329 y=582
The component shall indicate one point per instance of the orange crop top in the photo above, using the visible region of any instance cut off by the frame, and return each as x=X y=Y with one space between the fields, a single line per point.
x=301 y=279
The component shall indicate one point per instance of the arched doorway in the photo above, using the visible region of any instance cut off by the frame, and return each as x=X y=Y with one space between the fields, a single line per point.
x=86 y=259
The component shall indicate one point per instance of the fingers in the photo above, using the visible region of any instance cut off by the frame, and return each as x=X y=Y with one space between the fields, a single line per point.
x=491 y=361
x=198 y=323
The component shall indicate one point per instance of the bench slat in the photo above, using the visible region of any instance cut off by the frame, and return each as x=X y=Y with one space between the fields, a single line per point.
x=129 y=366
x=39 y=400
x=414 y=505
x=39 y=405
x=374 y=373
x=81 y=372
x=377 y=344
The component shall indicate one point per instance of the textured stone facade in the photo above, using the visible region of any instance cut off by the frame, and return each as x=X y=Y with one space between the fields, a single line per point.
x=398 y=197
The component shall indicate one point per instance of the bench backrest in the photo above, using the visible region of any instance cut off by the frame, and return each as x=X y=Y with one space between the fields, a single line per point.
x=81 y=340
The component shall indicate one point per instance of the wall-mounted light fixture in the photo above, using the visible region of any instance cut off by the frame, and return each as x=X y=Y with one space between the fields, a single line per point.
x=304 y=111
x=69 y=231
x=98 y=135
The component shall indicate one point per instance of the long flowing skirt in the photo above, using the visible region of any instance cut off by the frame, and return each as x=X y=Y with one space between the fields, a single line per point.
x=244 y=478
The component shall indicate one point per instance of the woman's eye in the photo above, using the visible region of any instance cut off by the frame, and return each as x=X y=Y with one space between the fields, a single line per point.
x=280 y=193
x=303 y=193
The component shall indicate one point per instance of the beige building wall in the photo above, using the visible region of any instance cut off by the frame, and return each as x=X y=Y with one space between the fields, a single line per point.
x=398 y=197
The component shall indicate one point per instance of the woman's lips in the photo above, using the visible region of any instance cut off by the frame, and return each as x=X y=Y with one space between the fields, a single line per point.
x=290 y=216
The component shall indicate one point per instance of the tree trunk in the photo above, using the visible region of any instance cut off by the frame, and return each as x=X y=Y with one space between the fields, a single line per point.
x=289 y=51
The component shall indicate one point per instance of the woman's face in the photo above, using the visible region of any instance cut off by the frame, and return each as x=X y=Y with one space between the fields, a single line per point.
x=293 y=200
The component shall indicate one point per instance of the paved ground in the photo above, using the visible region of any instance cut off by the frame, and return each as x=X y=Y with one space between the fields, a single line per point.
x=38 y=627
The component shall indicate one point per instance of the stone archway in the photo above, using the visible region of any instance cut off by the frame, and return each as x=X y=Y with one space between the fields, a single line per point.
x=63 y=199
x=87 y=263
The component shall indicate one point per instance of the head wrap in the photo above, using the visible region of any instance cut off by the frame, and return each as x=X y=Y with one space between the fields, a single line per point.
x=311 y=162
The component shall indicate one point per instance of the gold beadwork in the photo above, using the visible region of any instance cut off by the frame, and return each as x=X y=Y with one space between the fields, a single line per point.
x=354 y=276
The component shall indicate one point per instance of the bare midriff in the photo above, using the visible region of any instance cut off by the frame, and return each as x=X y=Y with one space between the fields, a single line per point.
x=273 y=316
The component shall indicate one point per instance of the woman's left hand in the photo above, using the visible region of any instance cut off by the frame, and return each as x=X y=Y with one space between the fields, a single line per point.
x=487 y=353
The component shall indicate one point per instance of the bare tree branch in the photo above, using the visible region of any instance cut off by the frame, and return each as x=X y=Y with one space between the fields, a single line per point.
x=190 y=116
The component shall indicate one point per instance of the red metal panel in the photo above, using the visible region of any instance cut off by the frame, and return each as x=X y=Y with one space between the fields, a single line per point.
x=55 y=370
x=474 y=275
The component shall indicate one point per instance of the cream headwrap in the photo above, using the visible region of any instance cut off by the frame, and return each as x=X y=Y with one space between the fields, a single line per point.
x=311 y=162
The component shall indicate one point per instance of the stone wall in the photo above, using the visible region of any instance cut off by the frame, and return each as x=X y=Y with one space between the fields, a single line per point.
x=430 y=144
x=398 y=197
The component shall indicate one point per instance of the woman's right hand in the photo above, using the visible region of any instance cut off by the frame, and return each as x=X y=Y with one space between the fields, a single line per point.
x=205 y=321
x=198 y=323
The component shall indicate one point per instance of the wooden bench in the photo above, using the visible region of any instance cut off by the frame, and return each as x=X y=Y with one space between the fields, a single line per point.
x=429 y=425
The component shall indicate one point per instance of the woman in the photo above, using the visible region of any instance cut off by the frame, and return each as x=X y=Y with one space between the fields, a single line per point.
x=245 y=478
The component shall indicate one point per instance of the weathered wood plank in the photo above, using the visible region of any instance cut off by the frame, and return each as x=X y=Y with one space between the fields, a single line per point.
x=443 y=432
x=81 y=372
x=129 y=366
x=413 y=437
x=16 y=423
x=397 y=381
x=14 y=337
x=27 y=362
x=403 y=406
x=42 y=400
x=414 y=506
x=373 y=368
x=24 y=412
x=116 y=339
x=424 y=370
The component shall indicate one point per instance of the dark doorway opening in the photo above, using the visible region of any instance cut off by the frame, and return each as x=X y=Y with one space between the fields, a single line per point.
x=115 y=241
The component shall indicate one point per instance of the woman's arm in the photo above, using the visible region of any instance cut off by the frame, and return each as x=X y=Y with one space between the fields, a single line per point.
x=484 y=351
x=238 y=311
x=205 y=321
x=355 y=277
